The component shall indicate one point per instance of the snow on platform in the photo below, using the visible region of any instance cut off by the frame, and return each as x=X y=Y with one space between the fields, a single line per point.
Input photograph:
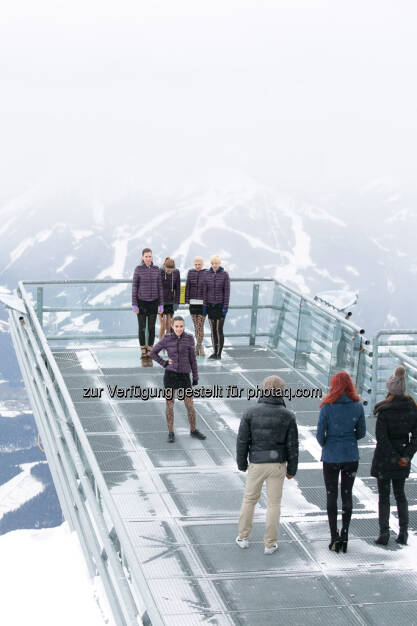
x=180 y=504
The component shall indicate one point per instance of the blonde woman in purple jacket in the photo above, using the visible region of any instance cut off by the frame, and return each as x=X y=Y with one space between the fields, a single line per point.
x=194 y=290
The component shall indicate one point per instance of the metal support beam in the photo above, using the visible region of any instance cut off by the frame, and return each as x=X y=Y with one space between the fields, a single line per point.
x=254 y=314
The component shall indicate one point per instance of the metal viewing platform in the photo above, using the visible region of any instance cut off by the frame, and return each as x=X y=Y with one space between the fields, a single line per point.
x=157 y=521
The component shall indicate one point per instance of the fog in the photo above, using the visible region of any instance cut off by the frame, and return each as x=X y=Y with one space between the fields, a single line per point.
x=294 y=95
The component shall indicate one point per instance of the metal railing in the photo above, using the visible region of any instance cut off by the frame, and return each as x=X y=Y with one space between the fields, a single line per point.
x=391 y=348
x=311 y=337
x=83 y=493
x=314 y=340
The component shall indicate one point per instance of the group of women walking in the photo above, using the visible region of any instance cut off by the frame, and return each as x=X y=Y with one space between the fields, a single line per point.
x=156 y=291
x=341 y=424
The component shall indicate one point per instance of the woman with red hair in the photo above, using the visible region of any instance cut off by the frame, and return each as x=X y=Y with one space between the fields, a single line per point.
x=341 y=423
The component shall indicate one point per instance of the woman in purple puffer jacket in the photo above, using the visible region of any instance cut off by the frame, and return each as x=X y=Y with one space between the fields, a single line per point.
x=181 y=361
x=194 y=297
x=216 y=294
x=171 y=285
x=147 y=299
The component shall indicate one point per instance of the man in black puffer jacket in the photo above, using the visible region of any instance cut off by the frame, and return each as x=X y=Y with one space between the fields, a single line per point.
x=268 y=433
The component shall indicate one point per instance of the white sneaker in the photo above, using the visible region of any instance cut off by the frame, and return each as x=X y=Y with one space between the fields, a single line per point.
x=242 y=543
x=271 y=550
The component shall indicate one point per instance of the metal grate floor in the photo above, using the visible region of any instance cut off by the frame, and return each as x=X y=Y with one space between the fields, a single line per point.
x=180 y=504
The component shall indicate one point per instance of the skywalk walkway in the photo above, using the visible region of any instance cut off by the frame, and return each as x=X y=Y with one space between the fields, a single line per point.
x=179 y=504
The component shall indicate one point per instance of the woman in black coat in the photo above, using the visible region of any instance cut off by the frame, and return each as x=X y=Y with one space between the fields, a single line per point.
x=396 y=443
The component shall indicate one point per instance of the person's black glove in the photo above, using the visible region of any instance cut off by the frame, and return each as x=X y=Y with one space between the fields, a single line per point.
x=195 y=382
x=242 y=468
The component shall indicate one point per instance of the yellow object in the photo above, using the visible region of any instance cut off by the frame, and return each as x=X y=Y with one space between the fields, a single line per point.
x=182 y=294
x=39 y=442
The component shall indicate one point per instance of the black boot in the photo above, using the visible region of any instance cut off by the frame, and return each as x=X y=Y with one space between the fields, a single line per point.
x=344 y=539
x=402 y=537
x=383 y=539
x=383 y=517
x=335 y=542
x=402 y=508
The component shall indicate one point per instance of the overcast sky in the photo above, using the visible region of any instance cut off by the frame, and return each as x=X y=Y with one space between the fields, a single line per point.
x=294 y=94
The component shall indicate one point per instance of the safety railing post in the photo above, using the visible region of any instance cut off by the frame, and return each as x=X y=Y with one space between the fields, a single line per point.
x=254 y=314
x=39 y=304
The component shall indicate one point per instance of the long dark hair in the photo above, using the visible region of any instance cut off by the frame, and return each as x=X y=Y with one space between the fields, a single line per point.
x=389 y=398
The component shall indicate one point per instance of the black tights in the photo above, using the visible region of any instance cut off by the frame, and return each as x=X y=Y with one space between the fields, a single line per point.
x=217 y=336
x=142 y=317
x=331 y=473
x=384 y=503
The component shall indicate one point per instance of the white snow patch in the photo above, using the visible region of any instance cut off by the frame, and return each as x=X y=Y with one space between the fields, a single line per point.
x=106 y=296
x=116 y=270
x=19 y=489
x=379 y=244
x=68 y=261
x=390 y=285
x=352 y=270
x=317 y=213
x=7 y=225
x=46 y=581
x=6 y=412
x=80 y=325
x=324 y=272
x=339 y=298
x=86 y=360
x=391 y=320
x=4 y=326
x=27 y=243
x=81 y=234
x=400 y=216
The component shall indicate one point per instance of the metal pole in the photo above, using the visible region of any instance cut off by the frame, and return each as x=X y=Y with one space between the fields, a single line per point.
x=39 y=304
x=254 y=314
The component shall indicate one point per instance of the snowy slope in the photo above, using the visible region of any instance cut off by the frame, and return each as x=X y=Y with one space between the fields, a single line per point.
x=47 y=569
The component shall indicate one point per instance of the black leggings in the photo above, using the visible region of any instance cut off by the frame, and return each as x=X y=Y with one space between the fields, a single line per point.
x=331 y=473
x=384 y=503
x=217 y=336
x=142 y=317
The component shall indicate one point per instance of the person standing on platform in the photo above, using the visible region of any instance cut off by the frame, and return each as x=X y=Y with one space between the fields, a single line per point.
x=268 y=434
x=341 y=423
x=147 y=299
x=396 y=444
x=216 y=295
x=181 y=361
x=171 y=284
x=194 y=289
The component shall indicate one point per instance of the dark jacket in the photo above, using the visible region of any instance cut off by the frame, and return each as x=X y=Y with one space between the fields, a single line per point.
x=147 y=284
x=171 y=286
x=396 y=437
x=268 y=433
x=194 y=287
x=182 y=352
x=216 y=287
x=340 y=426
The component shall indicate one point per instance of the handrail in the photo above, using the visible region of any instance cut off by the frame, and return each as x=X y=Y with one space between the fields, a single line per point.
x=117 y=522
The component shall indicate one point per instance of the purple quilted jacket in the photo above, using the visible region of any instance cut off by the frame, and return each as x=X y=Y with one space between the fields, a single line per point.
x=171 y=285
x=181 y=350
x=147 y=284
x=216 y=287
x=194 y=286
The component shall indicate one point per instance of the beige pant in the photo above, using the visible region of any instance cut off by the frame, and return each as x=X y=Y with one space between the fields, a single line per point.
x=258 y=473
